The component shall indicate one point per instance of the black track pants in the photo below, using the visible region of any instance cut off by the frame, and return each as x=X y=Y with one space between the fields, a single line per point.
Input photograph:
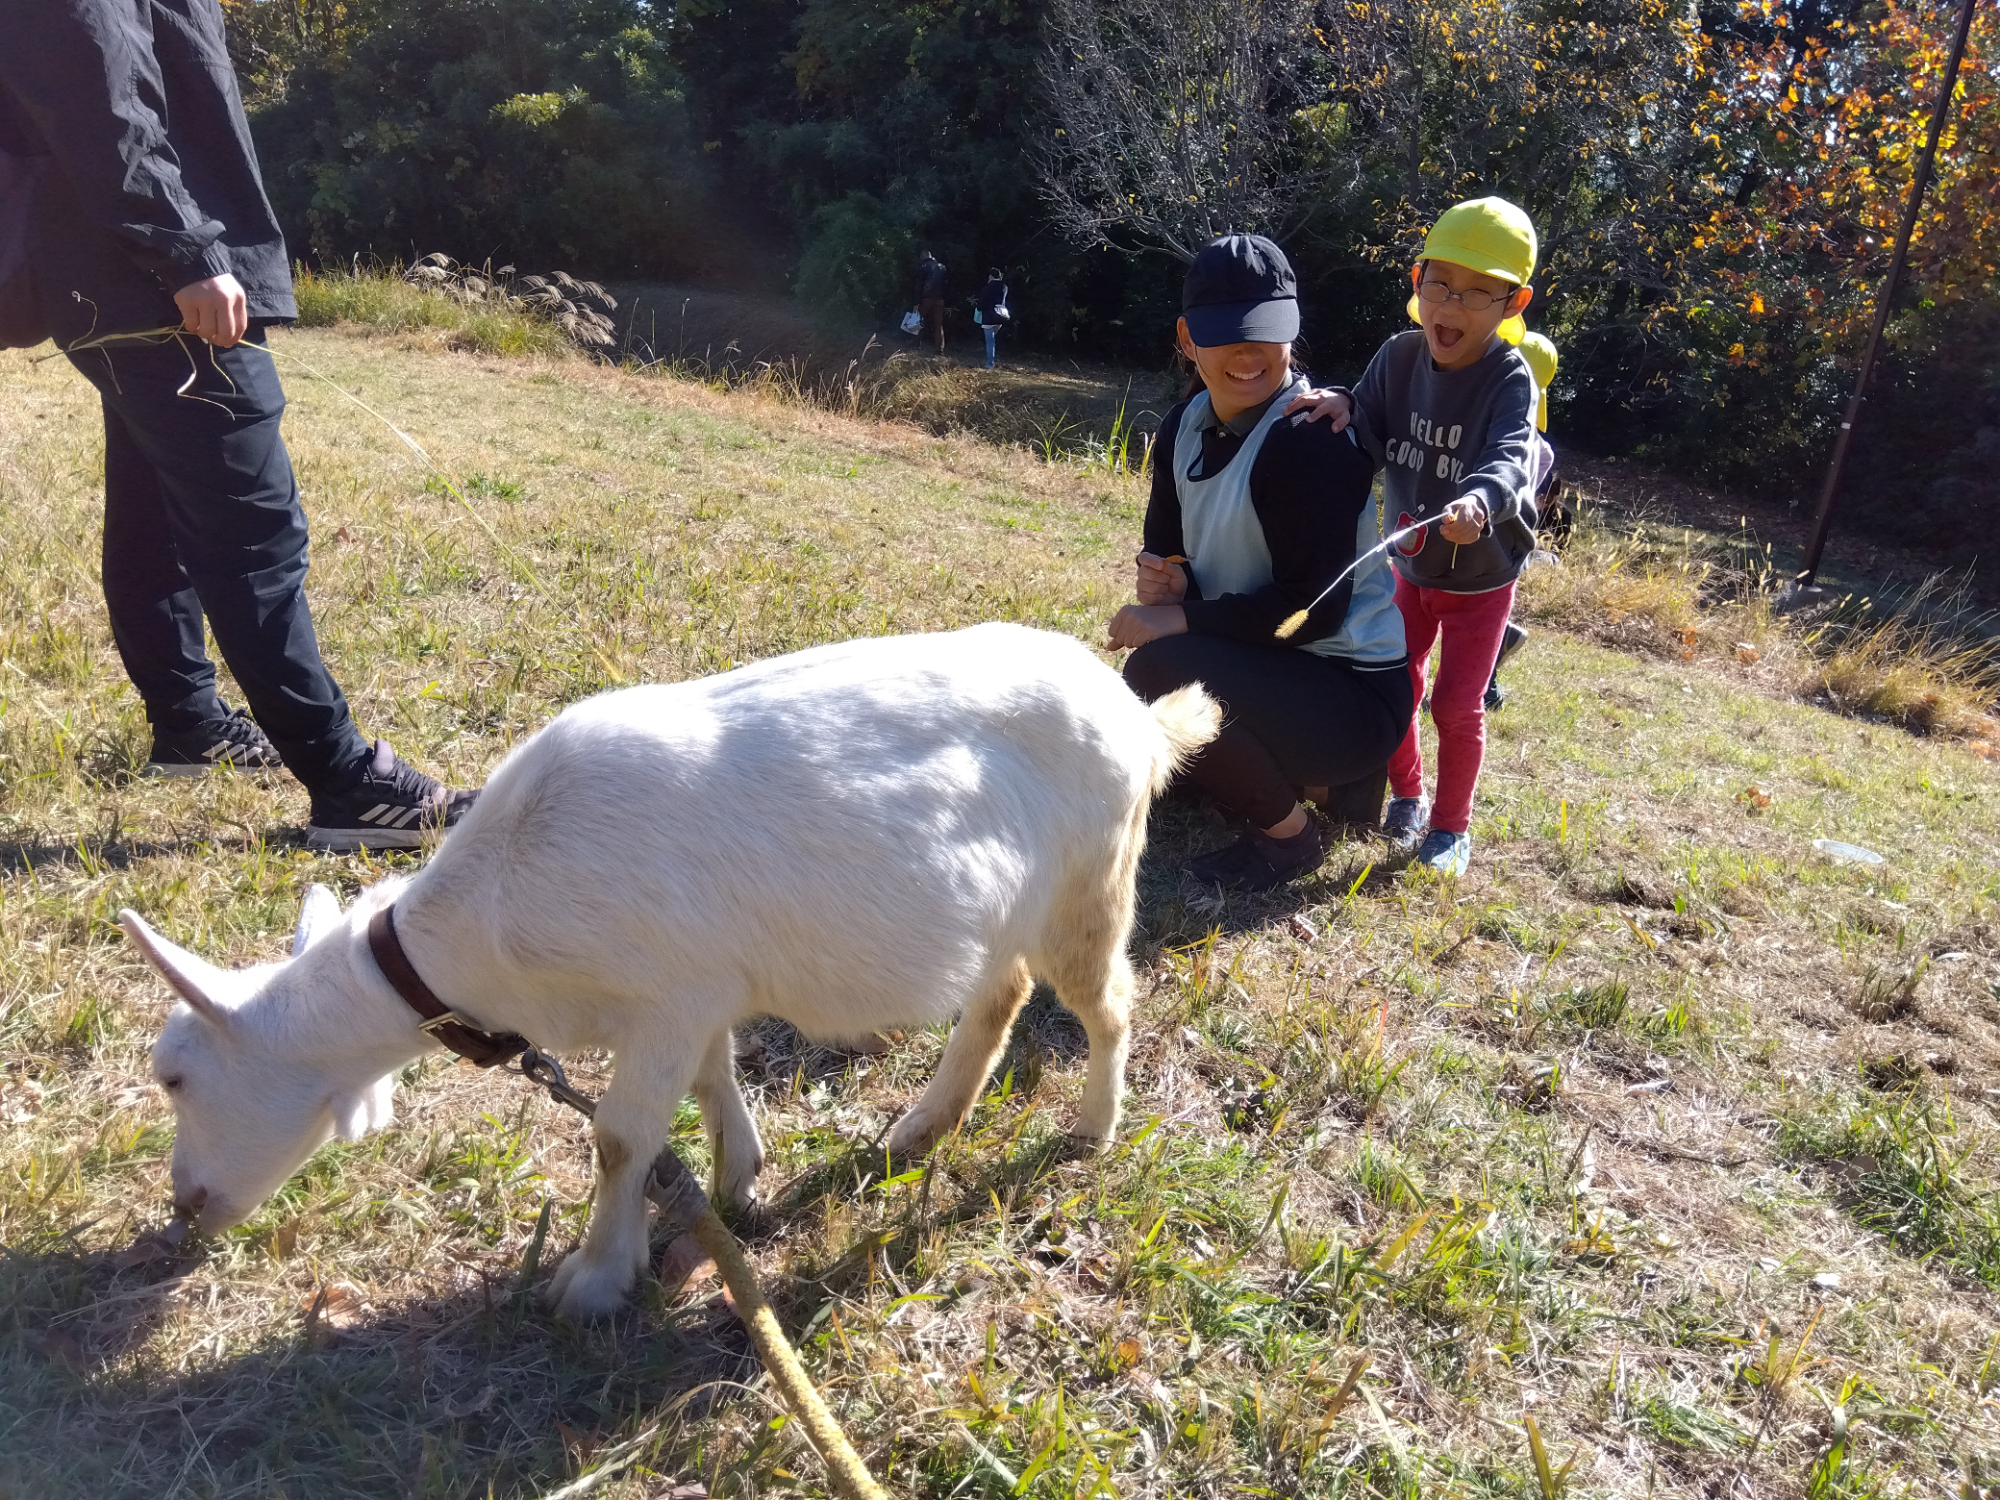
x=202 y=516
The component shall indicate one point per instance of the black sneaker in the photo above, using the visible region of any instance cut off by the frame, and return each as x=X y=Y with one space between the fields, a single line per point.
x=1258 y=862
x=234 y=740
x=392 y=806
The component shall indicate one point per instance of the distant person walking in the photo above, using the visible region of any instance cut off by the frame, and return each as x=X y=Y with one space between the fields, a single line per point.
x=930 y=298
x=991 y=310
x=154 y=261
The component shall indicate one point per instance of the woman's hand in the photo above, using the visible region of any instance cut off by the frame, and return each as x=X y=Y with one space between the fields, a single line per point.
x=1136 y=624
x=1464 y=520
x=1161 y=581
x=1316 y=403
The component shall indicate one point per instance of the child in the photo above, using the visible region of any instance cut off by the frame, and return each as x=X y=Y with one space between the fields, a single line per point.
x=1251 y=516
x=1449 y=412
x=1541 y=357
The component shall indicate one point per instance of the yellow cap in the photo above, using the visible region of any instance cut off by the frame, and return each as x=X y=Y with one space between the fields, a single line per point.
x=1541 y=357
x=1490 y=236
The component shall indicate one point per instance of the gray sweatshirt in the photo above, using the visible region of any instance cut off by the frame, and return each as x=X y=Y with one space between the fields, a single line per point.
x=1441 y=435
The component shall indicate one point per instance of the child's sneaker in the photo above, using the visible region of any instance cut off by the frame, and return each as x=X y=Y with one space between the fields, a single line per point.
x=1406 y=819
x=1446 y=852
x=392 y=806
x=234 y=740
x=1259 y=862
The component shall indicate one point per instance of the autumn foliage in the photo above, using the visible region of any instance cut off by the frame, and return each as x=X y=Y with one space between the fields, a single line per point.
x=1717 y=185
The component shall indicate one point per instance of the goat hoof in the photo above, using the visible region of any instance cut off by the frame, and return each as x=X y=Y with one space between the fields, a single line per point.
x=914 y=1135
x=742 y=1163
x=584 y=1293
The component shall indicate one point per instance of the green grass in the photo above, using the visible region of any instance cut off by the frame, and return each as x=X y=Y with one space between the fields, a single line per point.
x=390 y=304
x=1658 y=1129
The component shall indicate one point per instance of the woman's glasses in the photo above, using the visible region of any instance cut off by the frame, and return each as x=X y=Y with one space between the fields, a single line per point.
x=1472 y=299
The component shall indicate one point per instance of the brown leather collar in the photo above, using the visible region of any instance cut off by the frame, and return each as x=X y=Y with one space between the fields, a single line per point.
x=485 y=1048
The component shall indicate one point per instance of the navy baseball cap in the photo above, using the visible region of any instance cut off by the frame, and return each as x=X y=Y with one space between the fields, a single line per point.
x=1241 y=290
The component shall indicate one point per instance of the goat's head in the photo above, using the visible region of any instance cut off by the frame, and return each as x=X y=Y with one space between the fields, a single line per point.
x=249 y=1108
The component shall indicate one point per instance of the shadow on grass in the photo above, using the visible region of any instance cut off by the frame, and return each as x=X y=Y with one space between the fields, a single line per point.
x=474 y=1390
x=1174 y=909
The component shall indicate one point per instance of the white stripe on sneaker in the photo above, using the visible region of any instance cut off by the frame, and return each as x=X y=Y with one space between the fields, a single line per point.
x=374 y=812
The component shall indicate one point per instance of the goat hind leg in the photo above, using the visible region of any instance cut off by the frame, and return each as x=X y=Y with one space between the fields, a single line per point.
x=1094 y=979
x=731 y=1131
x=968 y=1060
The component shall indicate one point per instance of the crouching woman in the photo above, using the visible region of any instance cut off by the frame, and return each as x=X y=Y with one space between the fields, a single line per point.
x=1252 y=514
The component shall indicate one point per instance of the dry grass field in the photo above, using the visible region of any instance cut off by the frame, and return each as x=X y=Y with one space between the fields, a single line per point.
x=1655 y=1157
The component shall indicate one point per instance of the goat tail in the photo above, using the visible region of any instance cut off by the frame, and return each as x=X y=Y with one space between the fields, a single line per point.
x=1189 y=719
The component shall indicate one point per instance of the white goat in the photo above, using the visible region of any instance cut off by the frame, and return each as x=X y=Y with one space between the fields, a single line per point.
x=866 y=835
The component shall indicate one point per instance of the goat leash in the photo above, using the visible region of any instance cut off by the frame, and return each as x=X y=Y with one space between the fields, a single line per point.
x=670 y=1185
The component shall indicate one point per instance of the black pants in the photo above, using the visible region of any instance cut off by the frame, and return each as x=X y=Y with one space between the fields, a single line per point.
x=1290 y=719
x=202 y=515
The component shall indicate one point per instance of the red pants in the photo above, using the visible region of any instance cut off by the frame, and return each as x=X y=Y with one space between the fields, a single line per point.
x=1471 y=625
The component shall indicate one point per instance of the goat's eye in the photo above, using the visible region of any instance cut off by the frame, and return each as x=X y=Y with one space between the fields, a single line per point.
x=171 y=1085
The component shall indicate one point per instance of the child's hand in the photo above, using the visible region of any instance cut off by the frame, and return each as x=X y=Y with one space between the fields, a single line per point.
x=1464 y=520
x=1333 y=405
x=1161 y=580
x=1136 y=624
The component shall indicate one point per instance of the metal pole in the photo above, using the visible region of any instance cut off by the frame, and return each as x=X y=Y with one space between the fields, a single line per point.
x=1816 y=545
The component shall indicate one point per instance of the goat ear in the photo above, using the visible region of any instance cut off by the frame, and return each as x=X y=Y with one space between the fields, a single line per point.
x=358 y=1111
x=319 y=916
x=195 y=980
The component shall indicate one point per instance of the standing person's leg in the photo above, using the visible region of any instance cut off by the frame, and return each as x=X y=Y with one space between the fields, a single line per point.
x=1471 y=625
x=156 y=621
x=230 y=500
x=933 y=310
x=992 y=332
x=1420 y=631
x=206 y=422
x=156 y=617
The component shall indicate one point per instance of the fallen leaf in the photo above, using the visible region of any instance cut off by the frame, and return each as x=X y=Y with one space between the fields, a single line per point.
x=1754 y=797
x=684 y=1263
x=1747 y=653
x=337 y=1306
x=1302 y=929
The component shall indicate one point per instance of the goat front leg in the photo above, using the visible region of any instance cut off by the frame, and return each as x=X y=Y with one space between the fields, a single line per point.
x=634 y=1119
x=732 y=1134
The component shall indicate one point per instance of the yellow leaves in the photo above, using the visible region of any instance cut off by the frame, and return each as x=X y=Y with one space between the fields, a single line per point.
x=1756 y=305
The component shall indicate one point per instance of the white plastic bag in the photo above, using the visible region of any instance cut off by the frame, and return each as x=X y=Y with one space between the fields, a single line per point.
x=913 y=322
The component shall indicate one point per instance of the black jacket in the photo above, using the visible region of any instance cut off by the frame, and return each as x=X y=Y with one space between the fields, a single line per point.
x=151 y=181
x=930 y=280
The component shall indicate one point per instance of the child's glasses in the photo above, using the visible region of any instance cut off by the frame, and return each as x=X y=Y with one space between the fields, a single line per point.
x=1474 y=298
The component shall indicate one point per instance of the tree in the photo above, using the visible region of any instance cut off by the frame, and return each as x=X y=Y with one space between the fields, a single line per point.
x=546 y=132
x=1168 y=122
